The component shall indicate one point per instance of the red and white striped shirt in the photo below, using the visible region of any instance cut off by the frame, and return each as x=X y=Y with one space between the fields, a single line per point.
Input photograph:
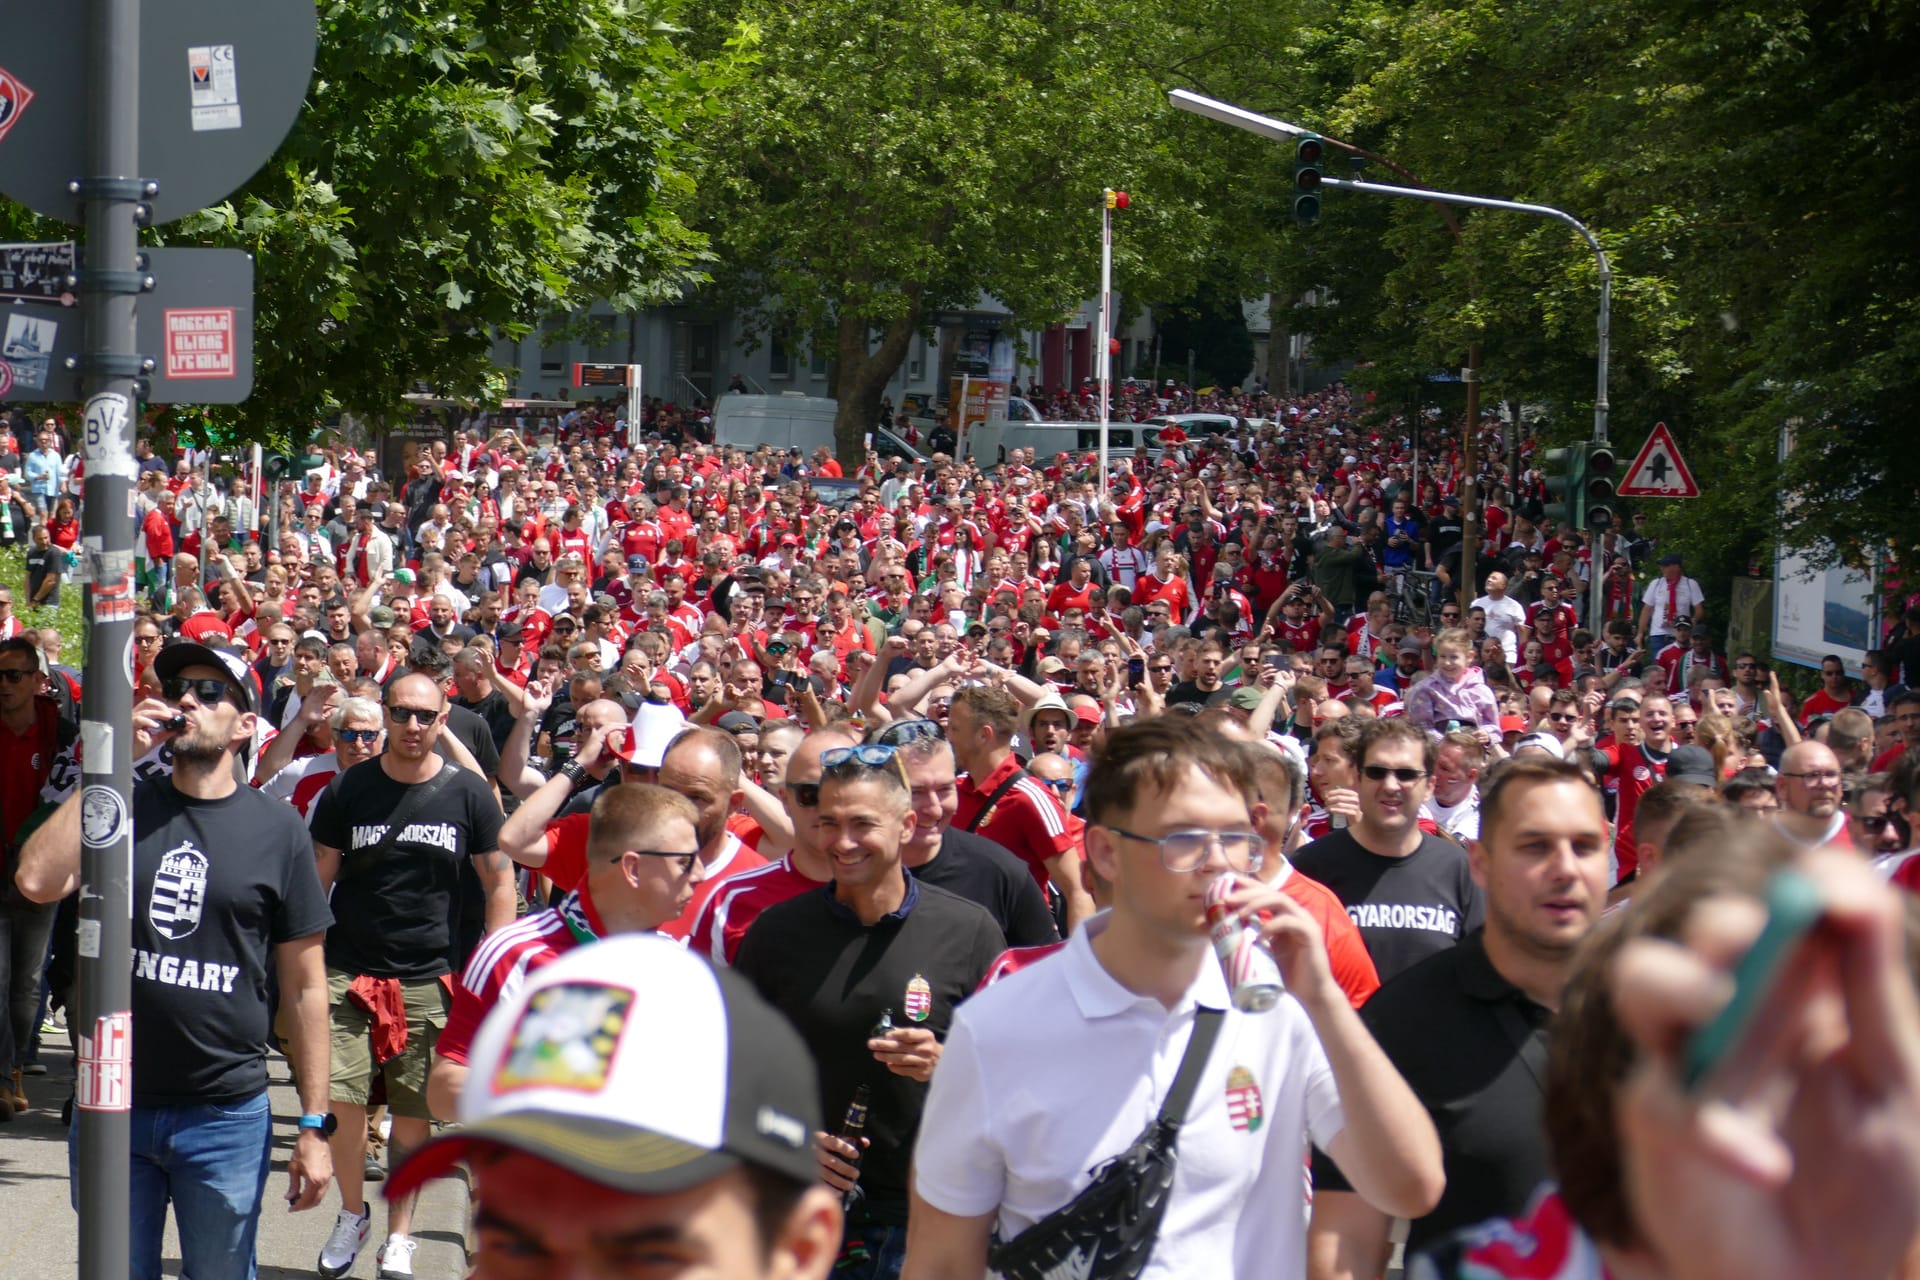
x=738 y=901
x=302 y=781
x=501 y=963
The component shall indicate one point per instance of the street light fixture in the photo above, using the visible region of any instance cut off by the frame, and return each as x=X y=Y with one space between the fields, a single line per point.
x=1267 y=127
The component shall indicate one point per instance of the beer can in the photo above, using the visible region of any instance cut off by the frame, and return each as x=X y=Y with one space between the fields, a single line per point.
x=1253 y=977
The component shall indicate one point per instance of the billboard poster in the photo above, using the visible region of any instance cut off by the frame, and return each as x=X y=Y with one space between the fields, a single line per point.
x=1816 y=611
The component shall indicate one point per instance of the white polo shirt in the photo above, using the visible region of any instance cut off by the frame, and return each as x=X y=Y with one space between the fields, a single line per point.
x=1054 y=1070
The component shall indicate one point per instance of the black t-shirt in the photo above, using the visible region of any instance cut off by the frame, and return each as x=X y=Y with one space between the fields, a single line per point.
x=833 y=977
x=1407 y=908
x=475 y=734
x=1473 y=1047
x=43 y=562
x=494 y=710
x=983 y=871
x=1189 y=691
x=216 y=885
x=393 y=914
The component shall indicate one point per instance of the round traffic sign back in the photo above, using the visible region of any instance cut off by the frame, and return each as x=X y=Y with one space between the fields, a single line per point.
x=221 y=83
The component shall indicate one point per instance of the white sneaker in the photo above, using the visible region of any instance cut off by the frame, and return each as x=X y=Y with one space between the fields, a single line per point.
x=396 y=1258
x=350 y=1231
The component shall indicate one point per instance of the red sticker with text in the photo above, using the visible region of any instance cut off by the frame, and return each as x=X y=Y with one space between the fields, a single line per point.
x=104 y=1079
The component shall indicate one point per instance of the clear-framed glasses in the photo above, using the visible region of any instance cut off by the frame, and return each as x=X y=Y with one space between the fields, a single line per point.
x=1187 y=849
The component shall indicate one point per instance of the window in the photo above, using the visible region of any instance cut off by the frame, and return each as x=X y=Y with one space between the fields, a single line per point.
x=779 y=359
x=817 y=366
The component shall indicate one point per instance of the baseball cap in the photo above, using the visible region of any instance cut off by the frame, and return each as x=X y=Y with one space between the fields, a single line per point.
x=1672 y=557
x=1410 y=645
x=1545 y=741
x=1513 y=724
x=1048 y=667
x=175 y=658
x=1086 y=713
x=634 y=1064
x=403 y=575
x=508 y=631
x=1693 y=766
x=1683 y=624
x=655 y=726
x=737 y=722
x=380 y=616
x=1245 y=698
x=636 y=564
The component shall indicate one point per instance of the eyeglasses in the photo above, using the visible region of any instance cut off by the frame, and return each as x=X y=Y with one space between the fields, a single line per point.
x=1381 y=772
x=15 y=676
x=685 y=858
x=902 y=732
x=415 y=715
x=1186 y=850
x=208 y=693
x=1817 y=777
x=358 y=737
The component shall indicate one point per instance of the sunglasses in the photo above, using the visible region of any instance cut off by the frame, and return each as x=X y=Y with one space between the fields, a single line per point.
x=805 y=794
x=902 y=732
x=414 y=715
x=1381 y=772
x=16 y=676
x=208 y=693
x=1060 y=785
x=1880 y=822
x=360 y=737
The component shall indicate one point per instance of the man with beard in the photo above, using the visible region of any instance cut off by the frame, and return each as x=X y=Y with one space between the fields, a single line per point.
x=1541 y=863
x=223 y=879
x=389 y=837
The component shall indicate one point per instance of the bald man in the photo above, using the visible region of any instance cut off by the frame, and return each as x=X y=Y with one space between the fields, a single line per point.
x=1811 y=791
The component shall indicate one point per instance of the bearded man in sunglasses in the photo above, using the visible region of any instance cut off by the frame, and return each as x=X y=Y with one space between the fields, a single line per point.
x=390 y=836
x=1412 y=894
x=222 y=877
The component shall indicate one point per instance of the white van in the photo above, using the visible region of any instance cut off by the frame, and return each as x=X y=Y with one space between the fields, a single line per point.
x=786 y=422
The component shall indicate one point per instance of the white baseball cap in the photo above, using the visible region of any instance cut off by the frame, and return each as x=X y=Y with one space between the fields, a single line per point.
x=635 y=1064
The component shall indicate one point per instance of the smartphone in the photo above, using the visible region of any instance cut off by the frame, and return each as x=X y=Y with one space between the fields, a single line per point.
x=1136 y=670
x=1793 y=907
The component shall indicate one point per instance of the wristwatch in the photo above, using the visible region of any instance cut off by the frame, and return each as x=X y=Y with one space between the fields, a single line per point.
x=326 y=1124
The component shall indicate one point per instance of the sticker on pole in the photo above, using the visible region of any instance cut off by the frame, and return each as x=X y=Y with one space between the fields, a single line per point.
x=27 y=350
x=1658 y=471
x=14 y=98
x=213 y=79
x=108 y=450
x=200 y=342
x=103 y=817
x=104 y=1078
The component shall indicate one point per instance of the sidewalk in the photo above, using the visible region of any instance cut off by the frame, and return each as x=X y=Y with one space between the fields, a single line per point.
x=43 y=1240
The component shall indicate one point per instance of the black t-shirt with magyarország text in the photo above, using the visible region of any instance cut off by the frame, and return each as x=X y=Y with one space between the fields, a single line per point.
x=393 y=913
x=1406 y=908
x=216 y=885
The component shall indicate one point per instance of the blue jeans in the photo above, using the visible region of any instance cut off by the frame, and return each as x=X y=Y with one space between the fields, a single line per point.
x=211 y=1163
x=886 y=1250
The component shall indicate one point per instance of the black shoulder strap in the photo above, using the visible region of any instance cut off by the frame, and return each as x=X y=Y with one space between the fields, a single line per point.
x=994 y=799
x=417 y=795
x=1206 y=1029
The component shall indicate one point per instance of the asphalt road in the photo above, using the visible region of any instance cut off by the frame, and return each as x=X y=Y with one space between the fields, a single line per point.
x=42 y=1234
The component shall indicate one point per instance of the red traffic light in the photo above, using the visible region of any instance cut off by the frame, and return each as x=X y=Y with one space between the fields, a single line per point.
x=1309 y=151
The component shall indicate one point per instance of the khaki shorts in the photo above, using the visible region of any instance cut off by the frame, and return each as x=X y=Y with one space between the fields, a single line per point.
x=426 y=1002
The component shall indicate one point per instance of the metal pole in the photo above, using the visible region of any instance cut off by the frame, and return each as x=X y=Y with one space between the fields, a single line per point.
x=110 y=196
x=1103 y=352
x=1469 y=484
x=634 y=406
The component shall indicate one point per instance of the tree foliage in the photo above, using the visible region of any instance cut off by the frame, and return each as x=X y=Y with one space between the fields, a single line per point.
x=462 y=169
x=887 y=162
x=1750 y=170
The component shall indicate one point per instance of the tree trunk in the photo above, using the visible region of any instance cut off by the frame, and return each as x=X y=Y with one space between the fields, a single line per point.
x=861 y=378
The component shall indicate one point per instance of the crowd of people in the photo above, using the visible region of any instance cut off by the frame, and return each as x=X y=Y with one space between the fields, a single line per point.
x=791 y=887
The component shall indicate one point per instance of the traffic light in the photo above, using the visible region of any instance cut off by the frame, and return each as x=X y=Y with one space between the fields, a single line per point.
x=1307 y=155
x=1567 y=482
x=1600 y=487
x=276 y=466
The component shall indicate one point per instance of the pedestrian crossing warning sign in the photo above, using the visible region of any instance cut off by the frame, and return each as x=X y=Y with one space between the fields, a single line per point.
x=1658 y=470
